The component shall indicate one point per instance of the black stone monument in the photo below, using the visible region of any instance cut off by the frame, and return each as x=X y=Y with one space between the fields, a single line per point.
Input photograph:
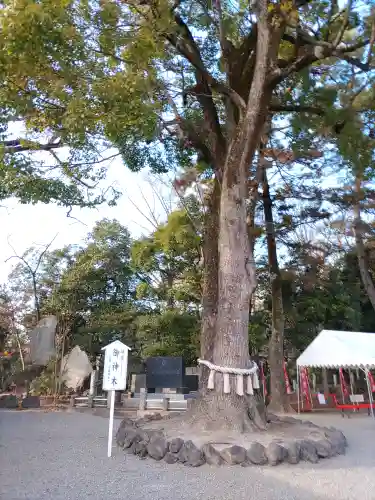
x=192 y=382
x=31 y=402
x=165 y=372
x=9 y=402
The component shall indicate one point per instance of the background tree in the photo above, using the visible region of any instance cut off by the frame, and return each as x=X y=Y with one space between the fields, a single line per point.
x=168 y=265
x=27 y=271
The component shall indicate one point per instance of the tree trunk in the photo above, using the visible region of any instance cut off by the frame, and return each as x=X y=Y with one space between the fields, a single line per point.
x=253 y=199
x=360 y=246
x=169 y=278
x=20 y=351
x=226 y=279
x=231 y=347
x=36 y=298
x=236 y=275
x=210 y=281
x=279 y=400
x=16 y=334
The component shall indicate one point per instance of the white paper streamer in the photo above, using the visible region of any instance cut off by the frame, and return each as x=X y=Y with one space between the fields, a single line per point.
x=252 y=379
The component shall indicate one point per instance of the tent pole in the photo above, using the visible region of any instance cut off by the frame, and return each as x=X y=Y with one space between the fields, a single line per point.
x=351 y=381
x=342 y=390
x=371 y=399
x=298 y=396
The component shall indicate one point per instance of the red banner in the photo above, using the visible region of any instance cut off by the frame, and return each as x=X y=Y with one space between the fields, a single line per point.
x=263 y=378
x=371 y=380
x=305 y=383
x=344 y=385
x=287 y=381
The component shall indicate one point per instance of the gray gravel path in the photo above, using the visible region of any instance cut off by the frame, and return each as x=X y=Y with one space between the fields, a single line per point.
x=62 y=456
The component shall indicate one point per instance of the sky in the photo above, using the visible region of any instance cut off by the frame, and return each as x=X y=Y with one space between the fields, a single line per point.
x=23 y=226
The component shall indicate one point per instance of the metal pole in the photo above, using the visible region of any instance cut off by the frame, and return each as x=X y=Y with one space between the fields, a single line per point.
x=110 y=430
x=313 y=377
x=351 y=382
x=371 y=399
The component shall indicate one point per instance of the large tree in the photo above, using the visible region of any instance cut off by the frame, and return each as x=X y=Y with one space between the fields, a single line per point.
x=187 y=82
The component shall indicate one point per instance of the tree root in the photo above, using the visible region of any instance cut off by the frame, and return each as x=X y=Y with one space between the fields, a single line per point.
x=227 y=412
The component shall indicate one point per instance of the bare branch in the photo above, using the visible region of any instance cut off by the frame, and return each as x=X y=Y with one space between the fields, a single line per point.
x=163 y=202
x=69 y=216
x=151 y=220
x=44 y=252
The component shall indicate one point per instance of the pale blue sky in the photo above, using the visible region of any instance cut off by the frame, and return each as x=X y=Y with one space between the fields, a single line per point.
x=25 y=225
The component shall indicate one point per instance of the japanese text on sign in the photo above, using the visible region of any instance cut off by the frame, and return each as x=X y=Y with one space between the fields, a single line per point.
x=115 y=367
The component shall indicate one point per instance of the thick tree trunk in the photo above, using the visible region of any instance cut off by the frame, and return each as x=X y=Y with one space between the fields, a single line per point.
x=236 y=276
x=229 y=282
x=231 y=347
x=279 y=401
x=210 y=281
x=360 y=246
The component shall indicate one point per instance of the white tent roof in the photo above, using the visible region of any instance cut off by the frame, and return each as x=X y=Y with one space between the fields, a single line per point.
x=335 y=349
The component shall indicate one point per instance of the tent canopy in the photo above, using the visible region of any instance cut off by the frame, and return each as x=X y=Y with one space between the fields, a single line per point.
x=336 y=349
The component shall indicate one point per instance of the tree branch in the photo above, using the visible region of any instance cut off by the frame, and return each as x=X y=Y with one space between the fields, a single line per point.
x=19 y=146
x=65 y=165
x=186 y=131
x=187 y=47
x=372 y=39
x=353 y=61
x=290 y=108
x=344 y=24
x=44 y=252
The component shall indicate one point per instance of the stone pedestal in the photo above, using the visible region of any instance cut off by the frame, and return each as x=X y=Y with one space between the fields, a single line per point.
x=144 y=413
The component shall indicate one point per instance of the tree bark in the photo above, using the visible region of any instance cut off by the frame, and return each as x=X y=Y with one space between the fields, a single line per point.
x=252 y=203
x=279 y=400
x=360 y=246
x=210 y=290
x=231 y=347
x=36 y=298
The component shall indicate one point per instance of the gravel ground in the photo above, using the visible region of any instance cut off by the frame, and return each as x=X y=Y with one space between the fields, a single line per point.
x=62 y=456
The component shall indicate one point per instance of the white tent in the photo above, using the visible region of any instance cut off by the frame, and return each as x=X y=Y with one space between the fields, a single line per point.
x=337 y=349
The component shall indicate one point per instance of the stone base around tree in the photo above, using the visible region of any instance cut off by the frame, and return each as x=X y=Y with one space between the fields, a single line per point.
x=289 y=440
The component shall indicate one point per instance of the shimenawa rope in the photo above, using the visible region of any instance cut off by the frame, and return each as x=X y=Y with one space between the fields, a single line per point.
x=240 y=373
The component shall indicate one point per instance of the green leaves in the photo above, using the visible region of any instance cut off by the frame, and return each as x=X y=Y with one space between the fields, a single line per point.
x=168 y=260
x=170 y=333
